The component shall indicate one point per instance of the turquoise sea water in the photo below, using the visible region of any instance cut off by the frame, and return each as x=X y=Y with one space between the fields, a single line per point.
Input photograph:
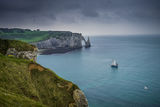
x=139 y=66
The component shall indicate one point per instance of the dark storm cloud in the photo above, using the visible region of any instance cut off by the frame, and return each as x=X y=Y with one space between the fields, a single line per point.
x=46 y=12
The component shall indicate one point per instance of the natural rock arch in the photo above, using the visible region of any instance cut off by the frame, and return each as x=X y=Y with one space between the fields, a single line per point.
x=87 y=42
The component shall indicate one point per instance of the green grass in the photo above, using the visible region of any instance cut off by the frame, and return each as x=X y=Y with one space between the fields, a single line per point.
x=32 y=36
x=19 y=86
x=18 y=45
x=28 y=36
x=8 y=99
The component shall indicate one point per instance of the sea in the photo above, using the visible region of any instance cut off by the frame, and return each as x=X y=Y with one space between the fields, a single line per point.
x=136 y=81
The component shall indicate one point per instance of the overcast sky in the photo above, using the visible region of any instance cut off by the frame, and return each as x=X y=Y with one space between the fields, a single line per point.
x=90 y=17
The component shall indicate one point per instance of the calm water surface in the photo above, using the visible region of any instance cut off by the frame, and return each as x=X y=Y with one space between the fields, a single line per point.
x=139 y=66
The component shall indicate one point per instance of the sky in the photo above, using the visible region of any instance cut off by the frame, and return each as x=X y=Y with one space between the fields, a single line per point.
x=89 y=17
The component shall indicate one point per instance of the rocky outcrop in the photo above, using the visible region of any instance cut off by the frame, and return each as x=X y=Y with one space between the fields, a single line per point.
x=87 y=43
x=80 y=98
x=31 y=55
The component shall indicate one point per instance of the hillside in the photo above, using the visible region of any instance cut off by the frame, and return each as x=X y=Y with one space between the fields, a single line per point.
x=26 y=83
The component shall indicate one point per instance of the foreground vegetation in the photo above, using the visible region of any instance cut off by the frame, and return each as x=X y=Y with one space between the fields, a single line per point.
x=23 y=82
x=27 y=84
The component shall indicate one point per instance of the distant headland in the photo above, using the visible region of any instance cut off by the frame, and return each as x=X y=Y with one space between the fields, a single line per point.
x=48 y=42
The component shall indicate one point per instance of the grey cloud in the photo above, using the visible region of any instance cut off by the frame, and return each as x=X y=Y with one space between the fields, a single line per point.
x=43 y=12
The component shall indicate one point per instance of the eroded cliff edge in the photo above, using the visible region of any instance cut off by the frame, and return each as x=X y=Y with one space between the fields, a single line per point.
x=25 y=83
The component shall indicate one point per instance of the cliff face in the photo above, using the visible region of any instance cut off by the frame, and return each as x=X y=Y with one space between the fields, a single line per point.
x=26 y=83
x=72 y=41
x=62 y=43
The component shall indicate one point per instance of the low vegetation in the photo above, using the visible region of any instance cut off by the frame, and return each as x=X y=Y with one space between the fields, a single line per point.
x=9 y=99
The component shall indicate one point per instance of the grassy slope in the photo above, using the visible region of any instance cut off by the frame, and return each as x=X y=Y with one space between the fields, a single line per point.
x=37 y=87
x=8 y=99
x=32 y=36
x=26 y=83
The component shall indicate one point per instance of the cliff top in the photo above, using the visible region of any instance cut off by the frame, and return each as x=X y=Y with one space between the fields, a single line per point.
x=28 y=35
